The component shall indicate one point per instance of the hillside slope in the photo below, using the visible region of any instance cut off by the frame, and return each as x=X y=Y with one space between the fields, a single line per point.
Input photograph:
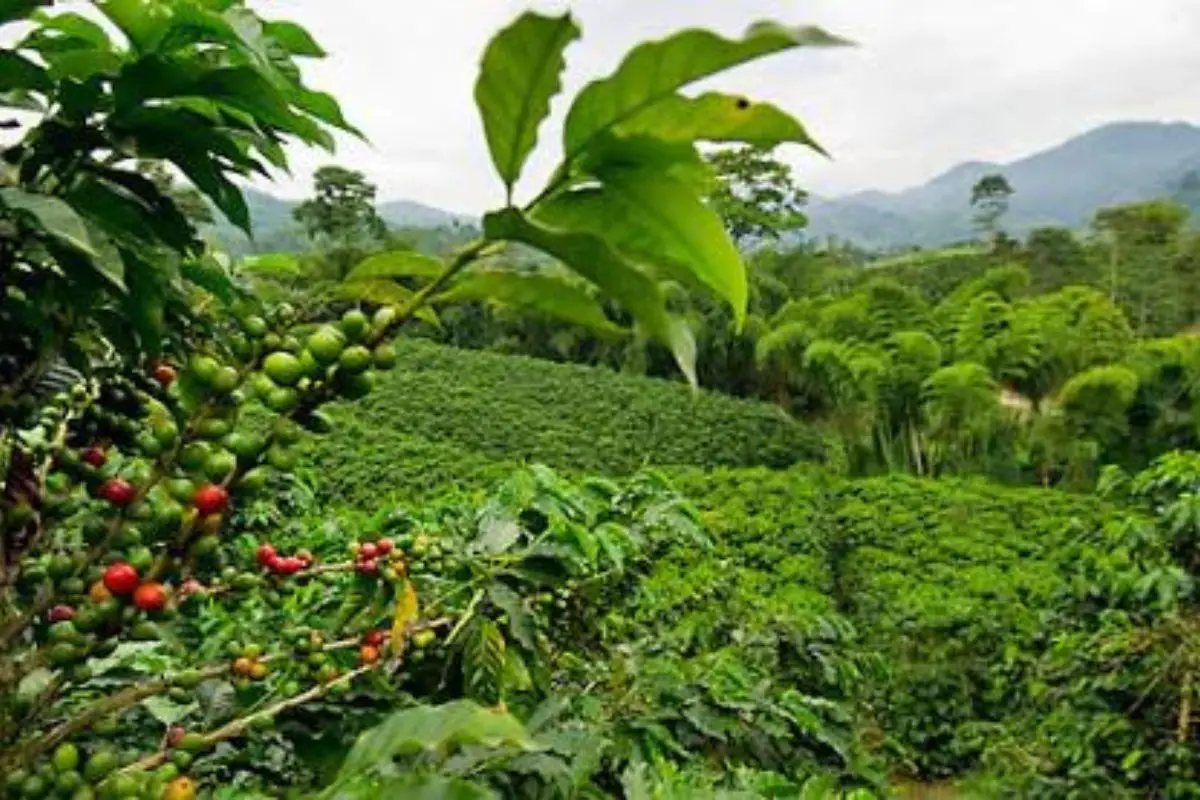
x=447 y=417
x=274 y=228
x=1064 y=185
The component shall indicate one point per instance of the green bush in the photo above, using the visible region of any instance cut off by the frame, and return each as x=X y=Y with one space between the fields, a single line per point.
x=733 y=646
x=440 y=404
x=952 y=580
x=941 y=589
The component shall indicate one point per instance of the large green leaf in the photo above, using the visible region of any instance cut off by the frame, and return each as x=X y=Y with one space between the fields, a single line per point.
x=209 y=274
x=547 y=294
x=716 y=117
x=246 y=89
x=294 y=38
x=156 y=210
x=592 y=257
x=70 y=26
x=677 y=159
x=53 y=215
x=213 y=183
x=653 y=218
x=376 y=290
x=655 y=71
x=18 y=73
x=283 y=265
x=397 y=264
x=518 y=77
x=144 y=22
x=324 y=107
x=434 y=729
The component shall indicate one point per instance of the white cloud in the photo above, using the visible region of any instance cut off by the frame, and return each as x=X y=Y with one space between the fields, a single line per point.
x=933 y=82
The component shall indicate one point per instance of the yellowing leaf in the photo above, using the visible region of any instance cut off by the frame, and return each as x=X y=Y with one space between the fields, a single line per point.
x=407 y=612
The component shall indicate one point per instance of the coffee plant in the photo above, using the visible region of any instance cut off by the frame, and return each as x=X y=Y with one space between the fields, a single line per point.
x=150 y=637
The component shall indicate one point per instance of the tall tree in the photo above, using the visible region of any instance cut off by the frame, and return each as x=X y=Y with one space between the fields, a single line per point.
x=989 y=203
x=755 y=193
x=1141 y=239
x=341 y=218
x=1056 y=258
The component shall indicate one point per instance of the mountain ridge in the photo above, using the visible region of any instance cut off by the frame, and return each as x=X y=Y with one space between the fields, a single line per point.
x=1063 y=185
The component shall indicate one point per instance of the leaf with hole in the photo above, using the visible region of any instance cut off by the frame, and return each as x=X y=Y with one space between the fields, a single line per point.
x=716 y=117
x=655 y=71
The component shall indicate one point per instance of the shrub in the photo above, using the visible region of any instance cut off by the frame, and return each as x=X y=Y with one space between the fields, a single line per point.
x=440 y=401
x=952 y=581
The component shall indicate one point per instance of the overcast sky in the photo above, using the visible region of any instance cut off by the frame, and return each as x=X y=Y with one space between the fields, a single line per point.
x=932 y=82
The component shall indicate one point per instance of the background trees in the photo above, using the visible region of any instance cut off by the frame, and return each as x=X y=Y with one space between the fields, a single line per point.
x=989 y=202
x=755 y=194
x=341 y=220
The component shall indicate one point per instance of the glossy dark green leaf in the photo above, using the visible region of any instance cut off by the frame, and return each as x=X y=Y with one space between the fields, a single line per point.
x=167 y=221
x=246 y=89
x=592 y=257
x=18 y=73
x=210 y=180
x=520 y=74
x=655 y=71
x=550 y=295
x=119 y=214
x=19 y=9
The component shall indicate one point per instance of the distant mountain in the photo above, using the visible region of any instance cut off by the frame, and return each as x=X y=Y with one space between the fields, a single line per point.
x=411 y=214
x=1118 y=163
x=274 y=228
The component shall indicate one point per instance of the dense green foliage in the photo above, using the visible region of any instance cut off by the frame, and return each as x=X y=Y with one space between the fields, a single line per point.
x=211 y=587
x=443 y=412
x=151 y=634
